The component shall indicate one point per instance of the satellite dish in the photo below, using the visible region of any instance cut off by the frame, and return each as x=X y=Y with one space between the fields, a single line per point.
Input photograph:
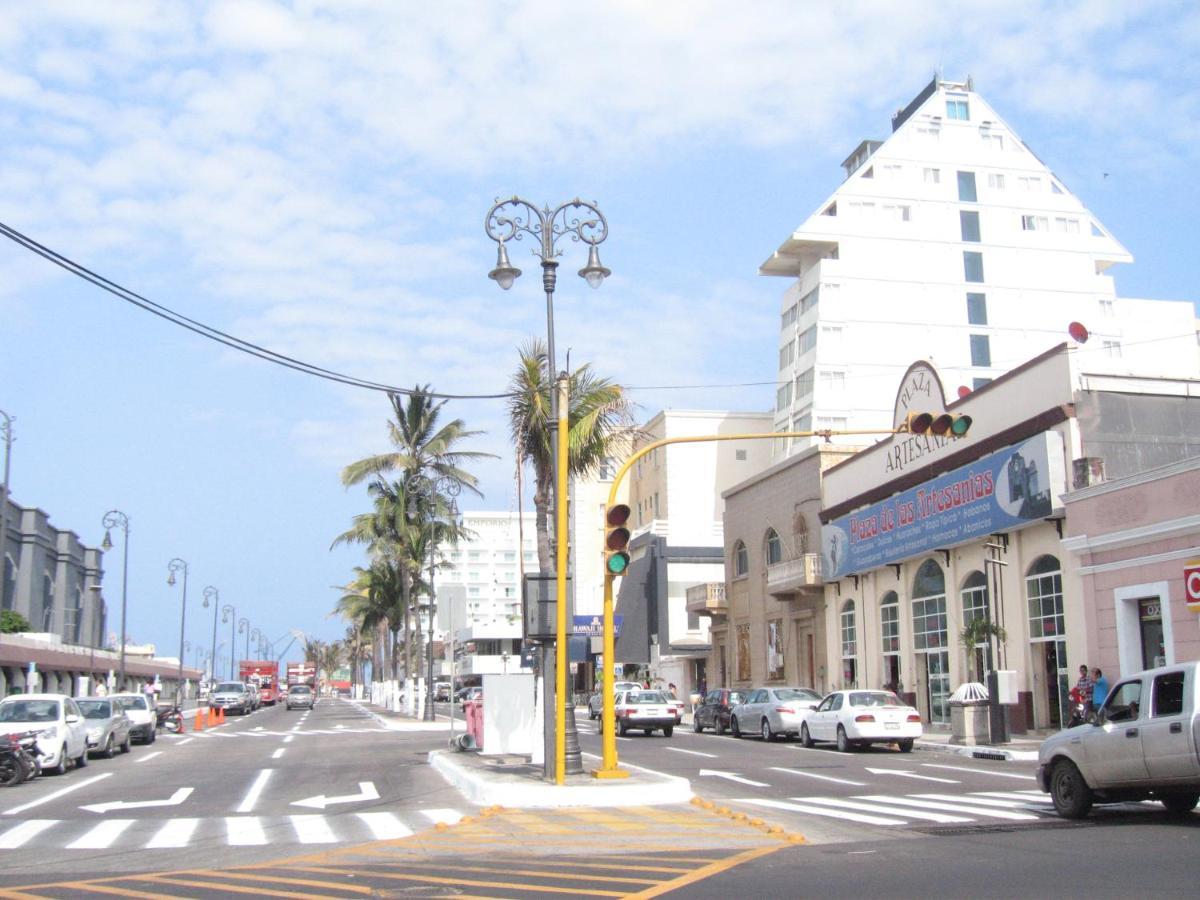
x=1078 y=332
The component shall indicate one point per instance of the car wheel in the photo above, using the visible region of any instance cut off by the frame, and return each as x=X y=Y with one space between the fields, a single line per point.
x=647 y=731
x=592 y=714
x=110 y=749
x=11 y=772
x=669 y=730
x=128 y=743
x=767 y=734
x=843 y=743
x=82 y=760
x=734 y=728
x=718 y=725
x=906 y=745
x=1180 y=804
x=621 y=729
x=696 y=726
x=61 y=768
x=151 y=734
x=805 y=737
x=1070 y=793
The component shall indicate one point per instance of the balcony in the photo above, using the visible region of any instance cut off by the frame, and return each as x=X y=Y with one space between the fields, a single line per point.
x=707 y=599
x=801 y=575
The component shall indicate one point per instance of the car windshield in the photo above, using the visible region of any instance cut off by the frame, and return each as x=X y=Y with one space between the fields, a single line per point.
x=637 y=697
x=29 y=711
x=94 y=709
x=230 y=687
x=874 y=698
x=797 y=694
x=133 y=701
x=300 y=689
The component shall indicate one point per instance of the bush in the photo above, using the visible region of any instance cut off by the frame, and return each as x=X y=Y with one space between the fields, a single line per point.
x=12 y=622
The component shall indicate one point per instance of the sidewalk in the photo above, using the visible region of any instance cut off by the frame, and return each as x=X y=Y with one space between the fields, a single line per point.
x=1021 y=748
x=399 y=721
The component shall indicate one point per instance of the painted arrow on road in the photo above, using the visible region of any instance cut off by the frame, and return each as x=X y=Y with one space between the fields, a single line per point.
x=174 y=800
x=366 y=791
x=906 y=774
x=732 y=776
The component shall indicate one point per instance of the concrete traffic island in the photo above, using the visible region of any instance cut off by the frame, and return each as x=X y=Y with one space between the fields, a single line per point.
x=513 y=781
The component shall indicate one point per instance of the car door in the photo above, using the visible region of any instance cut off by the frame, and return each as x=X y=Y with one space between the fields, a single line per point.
x=748 y=711
x=1166 y=737
x=822 y=722
x=121 y=723
x=76 y=728
x=708 y=710
x=1113 y=748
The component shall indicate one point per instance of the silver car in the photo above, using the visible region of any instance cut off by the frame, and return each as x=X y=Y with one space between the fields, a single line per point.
x=773 y=712
x=108 y=728
x=143 y=717
x=232 y=696
x=300 y=695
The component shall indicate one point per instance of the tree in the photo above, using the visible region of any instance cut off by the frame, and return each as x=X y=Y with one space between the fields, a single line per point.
x=12 y=622
x=599 y=417
x=979 y=630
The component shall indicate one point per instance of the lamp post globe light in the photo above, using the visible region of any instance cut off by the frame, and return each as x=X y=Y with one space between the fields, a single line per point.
x=114 y=518
x=179 y=565
x=212 y=597
x=432 y=490
x=582 y=222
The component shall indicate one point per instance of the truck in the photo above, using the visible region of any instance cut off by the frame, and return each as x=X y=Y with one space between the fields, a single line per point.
x=263 y=674
x=1142 y=744
x=302 y=673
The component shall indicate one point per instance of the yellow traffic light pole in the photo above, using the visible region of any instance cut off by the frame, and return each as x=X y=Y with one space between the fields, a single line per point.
x=560 y=585
x=608 y=766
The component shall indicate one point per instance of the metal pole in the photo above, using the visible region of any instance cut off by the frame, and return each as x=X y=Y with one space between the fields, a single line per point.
x=173 y=565
x=7 y=429
x=430 y=695
x=560 y=571
x=212 y=593
x=114 y=518
x=244 y=625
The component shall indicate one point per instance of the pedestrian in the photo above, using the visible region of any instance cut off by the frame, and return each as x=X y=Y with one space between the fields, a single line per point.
x=672 y=691
x=1084 y=686
x=101 y=689
x=1099 y=689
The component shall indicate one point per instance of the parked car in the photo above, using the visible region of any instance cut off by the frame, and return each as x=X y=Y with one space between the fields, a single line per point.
x=596 y=701
x=649 y=711
x=857 y=718
x=232 y=696
x=441 y=692
x=773 y=712
x=474 y=692
x=108 y=728
x=300 y=696
x=1143 y=745
x=142 y=713
x=715 y=711
x=62 y=735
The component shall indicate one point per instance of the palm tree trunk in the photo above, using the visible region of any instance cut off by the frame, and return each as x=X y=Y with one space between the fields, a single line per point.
x=541 y=505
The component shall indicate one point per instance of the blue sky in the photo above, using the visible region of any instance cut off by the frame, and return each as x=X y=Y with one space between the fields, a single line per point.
x=314 y=177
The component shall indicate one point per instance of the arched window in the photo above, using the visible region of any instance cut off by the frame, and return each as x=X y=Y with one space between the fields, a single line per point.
x=930 y=638
x=977 y=605
x=849 y=646
x=741 y=560
x=47 y=621
x=889 y=630
x=774 y=548
x=1043 y=590
x=799 y=530
x=8 y=586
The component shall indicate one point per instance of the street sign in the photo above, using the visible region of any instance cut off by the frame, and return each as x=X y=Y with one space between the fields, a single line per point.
x=1191 y=584
x=593 y=626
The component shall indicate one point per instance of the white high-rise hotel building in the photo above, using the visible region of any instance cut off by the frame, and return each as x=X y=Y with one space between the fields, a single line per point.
x=951 y=241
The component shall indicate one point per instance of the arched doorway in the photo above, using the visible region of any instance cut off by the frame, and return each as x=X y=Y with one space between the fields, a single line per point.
x=930 y=642
x=1048 y=636
x=889 y=630
x=849 y=646
x=976 y=604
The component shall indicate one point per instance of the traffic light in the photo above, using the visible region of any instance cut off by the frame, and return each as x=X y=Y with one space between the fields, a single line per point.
x=942 y=425
x=616 y=540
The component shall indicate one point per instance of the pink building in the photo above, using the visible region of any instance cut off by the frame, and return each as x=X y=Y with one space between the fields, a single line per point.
x=1132 y=538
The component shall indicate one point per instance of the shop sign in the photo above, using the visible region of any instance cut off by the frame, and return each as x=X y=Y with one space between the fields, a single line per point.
x=1191 y=584
x=1002 y=491
x=593 y=626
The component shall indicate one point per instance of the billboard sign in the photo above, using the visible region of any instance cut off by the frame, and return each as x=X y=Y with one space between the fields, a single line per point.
x=1191 y=584
x=1003 y=491
x=593 y=626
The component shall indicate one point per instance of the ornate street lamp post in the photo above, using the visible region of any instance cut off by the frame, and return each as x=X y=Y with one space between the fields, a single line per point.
x=6 y=431
x=114 y=518
x=433 y=491
x=244 y=627
x=512 y=219
x=179 y=565
x=212 y=597
x=229 y=614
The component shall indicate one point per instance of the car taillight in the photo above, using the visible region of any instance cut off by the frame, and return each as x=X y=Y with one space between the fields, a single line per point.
x=624 y=711
x=785 y=709
x=914 y=718
x=865 y=717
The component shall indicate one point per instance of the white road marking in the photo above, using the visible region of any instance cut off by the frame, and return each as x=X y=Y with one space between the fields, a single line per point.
x=978 y=771
x=184 y=741
x=815 y=750
x=101 y=836
x=979 y=801
x=146 y=756
x=244 y=831
x=59 y=793
x=366 y=791
x=731 y=776
x=17 y=835
x=385 y=826
x=446 y=816
x=251 y=798
x=1027 y=796
x=278 y=753
x=313 y=830
x=821 y=777
x=837 y=803
x=692 y=752
x=288 y=739
x=822 y=811
x=174 y=800
x=959 y=807
x=176 y=833
x=905 y=774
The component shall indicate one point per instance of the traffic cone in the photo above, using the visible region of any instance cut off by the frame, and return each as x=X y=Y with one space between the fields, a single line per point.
x=220 y=715
x=199 y=725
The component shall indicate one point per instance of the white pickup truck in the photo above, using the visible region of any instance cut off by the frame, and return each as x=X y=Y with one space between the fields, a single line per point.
x=1143 y=744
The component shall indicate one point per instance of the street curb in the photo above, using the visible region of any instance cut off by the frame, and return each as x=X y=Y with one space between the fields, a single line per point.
x=978 y=752
x=400 y=724
x=477 y=787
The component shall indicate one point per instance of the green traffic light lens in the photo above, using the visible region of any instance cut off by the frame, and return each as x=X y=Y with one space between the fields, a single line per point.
x=960 y=426
x=618 y=563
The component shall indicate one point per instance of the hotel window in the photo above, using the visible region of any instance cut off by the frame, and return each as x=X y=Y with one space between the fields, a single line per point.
x=966 y=187
x=808 y=339
x=833 y=380
x=834 y=423
x=1065 y=225
x=831 y=336
x=804 y=384
x=741 y=560
x=1035 y=223
x=1112 y=349
x=981 y=350
x=1106 y=308
x=968 y=221
x=932 y=176
x=740 y=455
x=930 y=133
x=976 y=309
x=789 y=316
x=809 y=301
x=1029 y=182
x=898 y=212
x=958 y=110
x=972 y=266
x=774 y=548
x=864 y=208
x=787 y=353
x=802 y=423
x=992 y=141
x=849 y=646
x=783 y=396
x=996 y=181
x=891 y=171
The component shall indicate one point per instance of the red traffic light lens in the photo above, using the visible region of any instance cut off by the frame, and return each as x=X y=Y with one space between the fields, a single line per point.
x=617 y=515
x=617 y=539
x=942 y=424
x=918 y=423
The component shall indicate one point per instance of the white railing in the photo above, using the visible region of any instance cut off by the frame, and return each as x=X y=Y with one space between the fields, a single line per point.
x=803 y=571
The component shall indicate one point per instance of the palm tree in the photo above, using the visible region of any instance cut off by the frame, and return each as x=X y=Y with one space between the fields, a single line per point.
x=599 y=416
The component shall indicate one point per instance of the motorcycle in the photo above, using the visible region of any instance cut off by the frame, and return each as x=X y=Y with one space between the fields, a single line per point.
x=1078 y=708
x=170 y=718
x=19 y=758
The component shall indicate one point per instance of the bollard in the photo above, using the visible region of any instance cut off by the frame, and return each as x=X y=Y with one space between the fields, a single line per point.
x=199 y=725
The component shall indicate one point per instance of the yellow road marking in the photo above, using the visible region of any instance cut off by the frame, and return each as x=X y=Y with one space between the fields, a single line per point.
x=19 y=895
x=721 y=865
x=429 y=879
x=537 y=873
x=300 y=882
x=572 y=864
x=220 y=886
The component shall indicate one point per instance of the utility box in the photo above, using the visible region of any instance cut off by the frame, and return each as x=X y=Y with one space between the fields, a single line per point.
x=508 y=714
x=538 y=601
x=1006 y=687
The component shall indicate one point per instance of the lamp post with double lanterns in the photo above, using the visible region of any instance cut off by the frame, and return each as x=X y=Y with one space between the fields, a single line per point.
x=179 y=565
x=244 y=628
x=229 y=614
x=6 y=432
x=212 y=597
x=432 y=491
x=114 y=518
x=582 y=222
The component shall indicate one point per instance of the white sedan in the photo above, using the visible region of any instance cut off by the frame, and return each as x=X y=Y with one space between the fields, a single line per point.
x=62 y=734
x=773 y=712
x=858 y=718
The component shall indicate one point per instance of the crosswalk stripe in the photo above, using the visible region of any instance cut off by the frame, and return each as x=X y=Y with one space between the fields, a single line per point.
x=941 y=818
x=17 y=836
x=1032 y=796
x=957 y=807
x=822 y=811
x=982 y=801
x=385 y=826
x=101 y=836
x=244 y=831
x=176 y=833
x=442 y=816
x=312 y=829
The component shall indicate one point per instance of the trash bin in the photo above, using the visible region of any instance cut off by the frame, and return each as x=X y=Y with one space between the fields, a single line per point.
x=969 y=714
x=473 y=712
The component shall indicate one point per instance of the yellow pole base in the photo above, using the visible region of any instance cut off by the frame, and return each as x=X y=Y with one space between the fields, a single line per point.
x=610 y=773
